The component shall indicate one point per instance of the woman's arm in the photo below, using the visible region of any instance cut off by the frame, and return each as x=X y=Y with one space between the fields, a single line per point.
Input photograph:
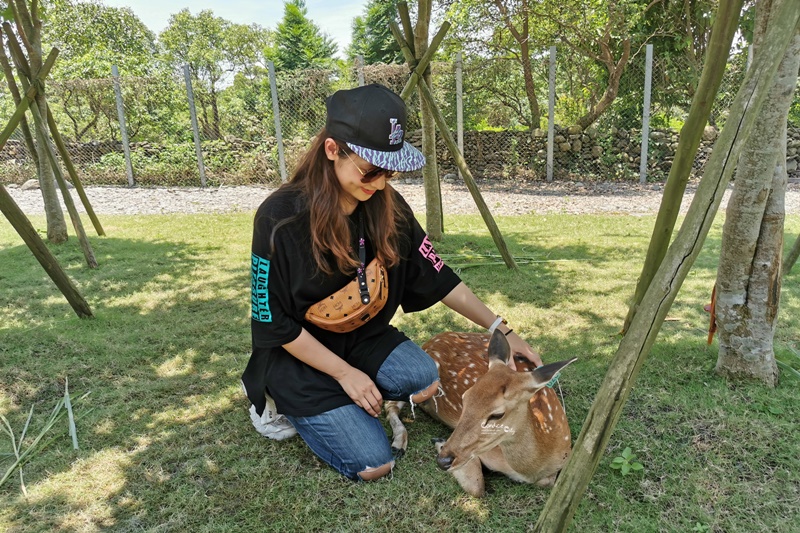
x=356 y=384
x=464 y=302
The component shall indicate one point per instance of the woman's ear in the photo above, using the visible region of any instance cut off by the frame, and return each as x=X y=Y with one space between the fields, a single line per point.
x=331 y=149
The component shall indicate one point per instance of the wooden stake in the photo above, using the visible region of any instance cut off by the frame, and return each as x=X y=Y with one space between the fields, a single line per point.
x=635 y=346
x=73 y=174
x=40 y=124
x=50 y=264
x=444 y=130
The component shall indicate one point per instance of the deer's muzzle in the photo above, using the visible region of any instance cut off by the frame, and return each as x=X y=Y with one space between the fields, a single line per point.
x=444 y=461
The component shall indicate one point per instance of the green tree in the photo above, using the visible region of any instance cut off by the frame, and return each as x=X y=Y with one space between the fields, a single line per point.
x=502 y=29
x=199 y=41
x=93 y=38
x=300 y=43
x=372 y=38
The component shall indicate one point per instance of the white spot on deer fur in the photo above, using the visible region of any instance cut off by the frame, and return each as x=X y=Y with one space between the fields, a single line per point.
x=566 y=437
x=550 y=415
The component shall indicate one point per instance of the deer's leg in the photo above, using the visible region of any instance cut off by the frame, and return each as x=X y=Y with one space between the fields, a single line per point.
x=470 y=477
x=399 y=433
x=408 y=374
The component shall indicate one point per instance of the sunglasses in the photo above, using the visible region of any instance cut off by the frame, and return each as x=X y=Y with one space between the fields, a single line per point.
x=371 y=175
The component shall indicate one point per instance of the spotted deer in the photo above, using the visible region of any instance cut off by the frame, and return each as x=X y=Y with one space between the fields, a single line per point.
x=508 y=421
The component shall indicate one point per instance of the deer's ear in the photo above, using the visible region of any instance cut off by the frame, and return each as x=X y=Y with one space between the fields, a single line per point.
x=499 y=350
x=542 y=375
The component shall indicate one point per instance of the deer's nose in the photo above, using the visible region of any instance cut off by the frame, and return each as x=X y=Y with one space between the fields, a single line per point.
x=444 y=461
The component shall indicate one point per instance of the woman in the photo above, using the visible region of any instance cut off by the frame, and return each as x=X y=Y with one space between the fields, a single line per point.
x=311 y=237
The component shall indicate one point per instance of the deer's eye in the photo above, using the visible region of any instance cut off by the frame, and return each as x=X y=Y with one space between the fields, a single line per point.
x=495 y=417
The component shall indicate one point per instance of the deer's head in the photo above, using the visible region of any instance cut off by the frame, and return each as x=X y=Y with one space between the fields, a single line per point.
x=495 y=408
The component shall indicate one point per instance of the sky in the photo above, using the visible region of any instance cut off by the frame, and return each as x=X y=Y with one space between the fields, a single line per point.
x=333 y=17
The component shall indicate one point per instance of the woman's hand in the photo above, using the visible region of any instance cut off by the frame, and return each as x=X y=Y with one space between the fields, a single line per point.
x=519 y=346
x=362 y=391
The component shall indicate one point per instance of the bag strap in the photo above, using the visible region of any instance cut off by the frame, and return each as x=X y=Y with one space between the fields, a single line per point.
x=362 y=257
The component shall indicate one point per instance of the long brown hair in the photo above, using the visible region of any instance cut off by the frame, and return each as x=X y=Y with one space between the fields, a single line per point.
x=331 y=237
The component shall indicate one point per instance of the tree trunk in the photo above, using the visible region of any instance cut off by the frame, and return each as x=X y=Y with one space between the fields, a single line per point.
x=634 y=348
x=791 y=259
x=523 y=37
x=56 y=224
x=615 y=70
x=29 y=26
x=215 y=113
x=430 y=173
x=725 y=25
x=748 y=278
x=530 y=87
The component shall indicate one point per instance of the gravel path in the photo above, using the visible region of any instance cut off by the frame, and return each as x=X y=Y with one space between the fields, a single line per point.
x=503 y=198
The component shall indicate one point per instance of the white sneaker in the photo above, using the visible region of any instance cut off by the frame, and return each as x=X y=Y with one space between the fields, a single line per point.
x=271 y=424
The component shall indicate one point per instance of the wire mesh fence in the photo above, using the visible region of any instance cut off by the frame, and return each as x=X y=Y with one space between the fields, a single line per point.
x=505 y=126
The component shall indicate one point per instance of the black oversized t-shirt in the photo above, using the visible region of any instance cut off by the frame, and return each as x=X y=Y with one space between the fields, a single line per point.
x=286 y=282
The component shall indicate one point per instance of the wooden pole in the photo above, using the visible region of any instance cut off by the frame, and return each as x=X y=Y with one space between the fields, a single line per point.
x=73 y=174
x=791 y=259
x=424 y=61
x=50 y=264
x=635 y=346
x=29 y=95
x=40 y=124
x=459 y=159
x=408 y=29
x=725 y=25
x=15 y=93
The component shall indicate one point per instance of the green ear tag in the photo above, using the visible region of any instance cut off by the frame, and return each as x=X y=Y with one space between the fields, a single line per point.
x=553 y=381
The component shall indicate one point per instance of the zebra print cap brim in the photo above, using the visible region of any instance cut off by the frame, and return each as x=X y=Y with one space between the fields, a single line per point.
x=406 y=159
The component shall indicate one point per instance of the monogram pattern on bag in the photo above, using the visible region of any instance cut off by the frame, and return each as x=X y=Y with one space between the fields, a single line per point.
x=343 y=312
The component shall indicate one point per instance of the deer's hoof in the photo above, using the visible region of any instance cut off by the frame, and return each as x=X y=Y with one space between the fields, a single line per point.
x=398 y=453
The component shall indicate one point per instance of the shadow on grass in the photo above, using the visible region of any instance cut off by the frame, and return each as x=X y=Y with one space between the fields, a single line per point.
x=168 y=445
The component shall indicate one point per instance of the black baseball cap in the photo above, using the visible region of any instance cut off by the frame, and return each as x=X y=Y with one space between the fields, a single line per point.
x=371 y=120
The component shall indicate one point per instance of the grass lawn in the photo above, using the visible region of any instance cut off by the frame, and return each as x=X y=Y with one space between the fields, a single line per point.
x=166 y=443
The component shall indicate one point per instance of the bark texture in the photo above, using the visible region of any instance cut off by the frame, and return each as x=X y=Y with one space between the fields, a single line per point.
x=749 y=274
x=430 y=173
x=725 y=25
x=635 y=346
x=29 y=28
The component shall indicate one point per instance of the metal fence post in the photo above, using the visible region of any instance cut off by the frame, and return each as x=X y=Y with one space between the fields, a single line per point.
x=460 y=104
x=193 y=112
x=648 y=78
x=276 y=113
x=551 y=113
x=123 y=129
x=360 y=69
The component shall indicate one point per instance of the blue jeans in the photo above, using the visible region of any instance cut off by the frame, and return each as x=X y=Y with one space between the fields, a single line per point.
x=349 y=439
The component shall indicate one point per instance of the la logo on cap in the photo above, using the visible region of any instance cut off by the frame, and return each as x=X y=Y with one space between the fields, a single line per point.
x=396 y=135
